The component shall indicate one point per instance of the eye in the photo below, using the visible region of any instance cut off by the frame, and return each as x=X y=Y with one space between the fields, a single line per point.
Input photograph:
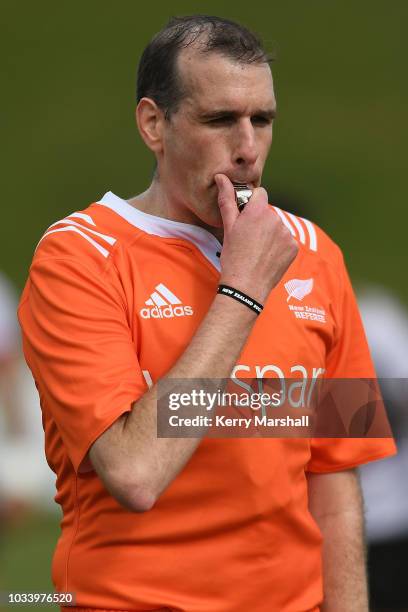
x=222 y=120
x=259 y=120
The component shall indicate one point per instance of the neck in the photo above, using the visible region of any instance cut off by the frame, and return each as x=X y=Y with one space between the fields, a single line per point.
x=154 y=201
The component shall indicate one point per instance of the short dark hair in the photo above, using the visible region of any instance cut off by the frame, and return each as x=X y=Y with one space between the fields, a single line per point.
x=158 y=77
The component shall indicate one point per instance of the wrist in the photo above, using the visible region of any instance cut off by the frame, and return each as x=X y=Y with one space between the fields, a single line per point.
x=240 y=297
x=254 y=291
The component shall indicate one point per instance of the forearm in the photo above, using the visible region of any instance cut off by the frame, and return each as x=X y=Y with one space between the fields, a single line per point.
x=336 y=503
x=140 y=461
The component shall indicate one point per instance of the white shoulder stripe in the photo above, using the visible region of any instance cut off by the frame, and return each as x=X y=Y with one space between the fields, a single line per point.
x=312 y=234
x=285 y=220
x=107 y=239
x=71 y=228
x=298 y=226
x=83 y=216
x=291 y=222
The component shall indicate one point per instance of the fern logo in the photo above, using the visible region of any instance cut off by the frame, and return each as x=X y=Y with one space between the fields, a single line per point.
x=298 y=288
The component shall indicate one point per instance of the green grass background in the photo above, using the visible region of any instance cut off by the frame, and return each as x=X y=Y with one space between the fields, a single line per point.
x=68 y=72
x=26 y=549
x=339 y=143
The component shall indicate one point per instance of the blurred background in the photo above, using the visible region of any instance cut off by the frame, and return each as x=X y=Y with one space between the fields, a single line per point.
x=338 y=157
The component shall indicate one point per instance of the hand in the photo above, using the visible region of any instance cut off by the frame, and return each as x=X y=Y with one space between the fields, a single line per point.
x=258 y=248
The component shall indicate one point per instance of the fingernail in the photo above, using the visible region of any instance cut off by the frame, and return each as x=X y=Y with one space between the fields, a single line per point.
x=218 y=179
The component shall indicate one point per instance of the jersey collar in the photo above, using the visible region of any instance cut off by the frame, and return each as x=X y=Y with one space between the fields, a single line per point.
x=207 y=244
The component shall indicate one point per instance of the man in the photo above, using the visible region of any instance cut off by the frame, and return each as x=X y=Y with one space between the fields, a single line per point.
x=124 y=294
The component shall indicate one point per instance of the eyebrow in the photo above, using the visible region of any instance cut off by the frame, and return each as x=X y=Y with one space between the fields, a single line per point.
x=265 y=113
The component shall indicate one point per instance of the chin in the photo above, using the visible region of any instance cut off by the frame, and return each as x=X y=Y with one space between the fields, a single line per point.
x=212 y=218
x=207 y=213
x=218 y=223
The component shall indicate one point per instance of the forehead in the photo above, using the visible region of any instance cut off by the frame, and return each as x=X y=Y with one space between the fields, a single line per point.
x=213 y=81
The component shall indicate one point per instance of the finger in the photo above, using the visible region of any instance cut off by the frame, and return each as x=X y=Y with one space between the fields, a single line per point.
x=226 y=201
x=259 y=198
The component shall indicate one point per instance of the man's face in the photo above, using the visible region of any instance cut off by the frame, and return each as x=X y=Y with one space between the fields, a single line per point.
x=223 y=125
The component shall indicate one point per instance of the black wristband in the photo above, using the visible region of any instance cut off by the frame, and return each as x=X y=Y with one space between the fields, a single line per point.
x=240 y=297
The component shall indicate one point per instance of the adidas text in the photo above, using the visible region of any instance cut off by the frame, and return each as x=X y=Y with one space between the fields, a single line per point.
x=166 y=312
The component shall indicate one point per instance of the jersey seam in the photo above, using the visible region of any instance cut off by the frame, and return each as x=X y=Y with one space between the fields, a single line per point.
x=176 y=241
x=333 y=265
x=74 y=535
x=78 y=262
x=127 y=245
x=72 y=258
x=322 y=256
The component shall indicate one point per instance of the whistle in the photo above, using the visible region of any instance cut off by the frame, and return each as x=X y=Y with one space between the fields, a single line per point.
x=242 y=195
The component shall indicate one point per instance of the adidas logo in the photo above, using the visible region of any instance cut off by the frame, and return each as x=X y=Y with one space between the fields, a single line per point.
x=298 y=288
x=163 y=304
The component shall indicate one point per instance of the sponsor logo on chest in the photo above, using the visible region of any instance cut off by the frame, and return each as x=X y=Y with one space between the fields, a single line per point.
x=163 y=304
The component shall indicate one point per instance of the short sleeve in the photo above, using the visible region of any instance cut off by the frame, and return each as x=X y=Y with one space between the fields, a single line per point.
x=78 y=343
x=349 y=358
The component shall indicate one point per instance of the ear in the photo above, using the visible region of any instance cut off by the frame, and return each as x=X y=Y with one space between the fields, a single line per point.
x=150 y=120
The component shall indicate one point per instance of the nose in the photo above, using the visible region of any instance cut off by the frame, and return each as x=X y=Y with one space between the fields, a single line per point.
x=246 y=149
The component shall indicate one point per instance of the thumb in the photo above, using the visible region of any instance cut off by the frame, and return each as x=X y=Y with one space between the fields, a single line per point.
x=226 y=201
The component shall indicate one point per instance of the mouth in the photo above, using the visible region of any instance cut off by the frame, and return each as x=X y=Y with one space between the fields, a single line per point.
x=250 y=181
x=242 y=185
x=237 y=183
x=243 y=190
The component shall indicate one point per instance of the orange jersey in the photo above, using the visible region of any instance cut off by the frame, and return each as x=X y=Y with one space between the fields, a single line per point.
x=113 y=299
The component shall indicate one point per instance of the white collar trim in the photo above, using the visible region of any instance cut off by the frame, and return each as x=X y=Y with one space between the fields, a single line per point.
x=166 y=228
